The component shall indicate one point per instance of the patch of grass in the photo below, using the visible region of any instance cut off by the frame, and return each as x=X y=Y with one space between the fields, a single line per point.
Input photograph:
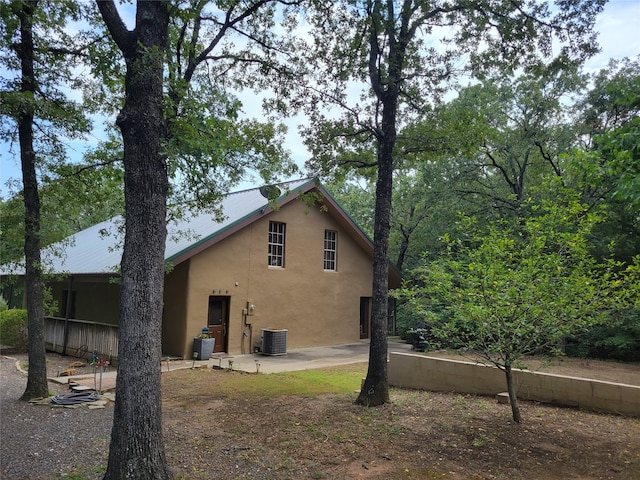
x=334 y=380
x=305 y=383
x=481 y=404
x=83 y=474
x=480 y=441
x=460 y=403
x=100 y=468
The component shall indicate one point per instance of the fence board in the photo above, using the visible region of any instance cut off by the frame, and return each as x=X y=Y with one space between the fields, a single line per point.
x=83 y=337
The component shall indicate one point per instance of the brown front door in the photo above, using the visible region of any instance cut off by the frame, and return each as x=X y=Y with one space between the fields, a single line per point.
x=219 y=322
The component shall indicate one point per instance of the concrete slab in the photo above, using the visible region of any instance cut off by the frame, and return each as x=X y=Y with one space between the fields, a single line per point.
x=302 y=359
x=293 y=360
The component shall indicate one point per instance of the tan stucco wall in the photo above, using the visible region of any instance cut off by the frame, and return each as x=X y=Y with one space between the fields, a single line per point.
x=428 y=373
x=174 y=312
x=316 y=307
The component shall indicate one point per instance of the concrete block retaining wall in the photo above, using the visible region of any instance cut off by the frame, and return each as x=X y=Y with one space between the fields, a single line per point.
x=436 y=374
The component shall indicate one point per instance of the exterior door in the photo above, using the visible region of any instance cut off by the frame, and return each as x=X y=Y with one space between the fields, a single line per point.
x=365 y=316
x=219 y=322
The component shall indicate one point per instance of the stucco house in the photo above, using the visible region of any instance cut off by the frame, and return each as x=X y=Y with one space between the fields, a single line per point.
x=274 y=263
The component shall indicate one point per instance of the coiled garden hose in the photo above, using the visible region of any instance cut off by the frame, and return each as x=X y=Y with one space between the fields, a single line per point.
x=75 y=398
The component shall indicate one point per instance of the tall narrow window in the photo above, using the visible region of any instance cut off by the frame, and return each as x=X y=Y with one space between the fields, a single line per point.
x=330 y=249
x=276 y=244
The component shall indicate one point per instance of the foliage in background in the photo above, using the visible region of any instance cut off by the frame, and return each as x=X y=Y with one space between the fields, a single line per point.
x=355 y=194
x=77 y=197
x=606 y=166
x=375 y=67
x=619 y=338
x=615 y=340
x=13 y=329
x=506 y=289
x=610 y=115
x=512 y=134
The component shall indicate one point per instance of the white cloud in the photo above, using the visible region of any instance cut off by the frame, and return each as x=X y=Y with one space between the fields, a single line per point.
x=617 y=28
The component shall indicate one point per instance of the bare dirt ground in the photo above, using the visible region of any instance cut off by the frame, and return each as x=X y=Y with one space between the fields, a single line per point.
x=574 y=367
x=212 y=432
x=421 y=435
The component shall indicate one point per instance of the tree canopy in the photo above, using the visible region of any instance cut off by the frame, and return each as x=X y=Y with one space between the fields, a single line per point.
x=506 y=290
x=377 y=67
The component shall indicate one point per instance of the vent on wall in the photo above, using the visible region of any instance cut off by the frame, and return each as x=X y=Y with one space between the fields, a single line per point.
x=274 y=341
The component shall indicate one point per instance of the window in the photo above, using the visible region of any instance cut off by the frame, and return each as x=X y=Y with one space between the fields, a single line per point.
x=276 y=244
x=67 y=311
x=330 y=249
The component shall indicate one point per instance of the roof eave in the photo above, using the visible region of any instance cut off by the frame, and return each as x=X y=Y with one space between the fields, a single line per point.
x=239 y=224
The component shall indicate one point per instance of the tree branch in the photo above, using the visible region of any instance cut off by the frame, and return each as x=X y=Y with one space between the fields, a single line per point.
x=118 y=30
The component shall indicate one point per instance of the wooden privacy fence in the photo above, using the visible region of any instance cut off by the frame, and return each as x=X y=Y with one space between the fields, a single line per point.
x=80 y=338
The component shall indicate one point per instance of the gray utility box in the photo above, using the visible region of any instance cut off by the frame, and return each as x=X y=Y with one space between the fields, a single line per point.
x=274 y=341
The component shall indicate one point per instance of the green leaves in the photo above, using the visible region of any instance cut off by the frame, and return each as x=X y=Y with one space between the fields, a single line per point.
x=210 y=148
x=510 y=289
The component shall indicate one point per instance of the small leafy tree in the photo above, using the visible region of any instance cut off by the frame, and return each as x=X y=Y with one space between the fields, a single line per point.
x=510 y=290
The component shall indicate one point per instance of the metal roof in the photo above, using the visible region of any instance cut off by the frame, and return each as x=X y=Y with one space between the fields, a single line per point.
x=98 y=249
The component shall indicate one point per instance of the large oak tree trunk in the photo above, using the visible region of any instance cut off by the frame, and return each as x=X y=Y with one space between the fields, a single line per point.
x=376 y=385
x=37 y=378
x=137 y=447
x=375 y=390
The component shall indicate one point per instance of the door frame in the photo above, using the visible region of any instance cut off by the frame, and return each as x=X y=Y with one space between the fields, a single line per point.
x=365 y=317
x=225 y=301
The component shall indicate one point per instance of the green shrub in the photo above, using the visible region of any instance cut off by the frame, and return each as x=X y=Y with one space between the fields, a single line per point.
x=3 y=304
x=406 y=319
x=618 y=340
x=13 y=329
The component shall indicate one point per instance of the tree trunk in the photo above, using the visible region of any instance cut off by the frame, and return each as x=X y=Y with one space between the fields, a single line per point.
x=137 y=446
x=513 y=399
x=37 y=378
x=375 y=390
x=404 y=248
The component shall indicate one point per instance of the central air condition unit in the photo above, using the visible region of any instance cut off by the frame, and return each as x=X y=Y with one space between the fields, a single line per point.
x=274 y=341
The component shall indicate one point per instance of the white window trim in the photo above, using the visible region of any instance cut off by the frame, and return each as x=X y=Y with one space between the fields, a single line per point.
x=330 y=247
x=276 y=243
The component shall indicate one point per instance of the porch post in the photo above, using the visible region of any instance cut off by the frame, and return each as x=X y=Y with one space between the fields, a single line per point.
x=67 y=311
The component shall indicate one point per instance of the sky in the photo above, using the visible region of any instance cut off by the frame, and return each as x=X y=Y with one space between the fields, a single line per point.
x=618 y=37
